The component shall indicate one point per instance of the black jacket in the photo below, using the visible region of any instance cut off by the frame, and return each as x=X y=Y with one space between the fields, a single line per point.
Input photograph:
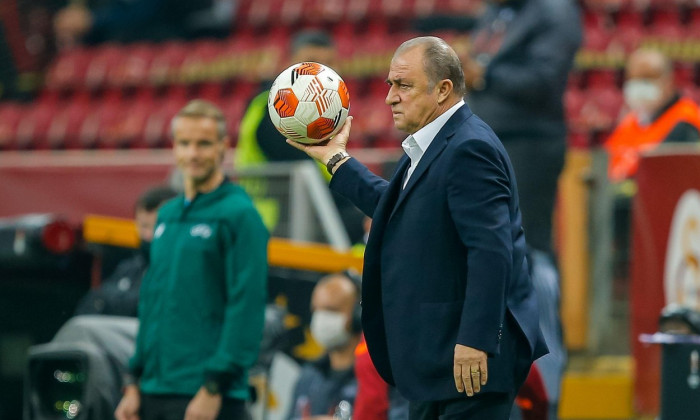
x=528 y=48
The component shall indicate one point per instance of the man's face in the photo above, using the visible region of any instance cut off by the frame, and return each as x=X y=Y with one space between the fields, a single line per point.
x=145 y=223
x=336 y=296
x=647 y=86
x=413 y=105
x=197 y=148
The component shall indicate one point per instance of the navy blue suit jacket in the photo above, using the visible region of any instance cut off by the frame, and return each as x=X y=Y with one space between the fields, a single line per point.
x=445 y=263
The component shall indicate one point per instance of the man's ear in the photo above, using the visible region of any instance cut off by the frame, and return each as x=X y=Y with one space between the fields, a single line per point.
x=445 y=89
x=226 y=141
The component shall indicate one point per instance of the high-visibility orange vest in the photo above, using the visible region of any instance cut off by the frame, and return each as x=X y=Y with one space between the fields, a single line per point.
x=631 y=138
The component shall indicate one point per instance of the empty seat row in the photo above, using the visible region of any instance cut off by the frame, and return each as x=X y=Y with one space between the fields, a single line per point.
x=269 y=13
x=142 y=121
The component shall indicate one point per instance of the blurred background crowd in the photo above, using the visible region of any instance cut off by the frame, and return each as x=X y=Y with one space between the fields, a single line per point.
x=88 y=89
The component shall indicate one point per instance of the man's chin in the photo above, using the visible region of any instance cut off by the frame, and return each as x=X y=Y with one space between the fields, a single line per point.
x=198 y=178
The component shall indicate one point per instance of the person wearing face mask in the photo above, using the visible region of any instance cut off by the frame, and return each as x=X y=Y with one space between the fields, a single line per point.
x=327 y=386
x=657 y=114
x=119 y=293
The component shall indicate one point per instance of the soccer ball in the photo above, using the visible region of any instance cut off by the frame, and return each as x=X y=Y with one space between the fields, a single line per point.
x=308 y=103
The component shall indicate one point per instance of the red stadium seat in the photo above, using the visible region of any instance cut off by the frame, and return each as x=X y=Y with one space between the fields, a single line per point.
x=64 y=130
x=332 y=11
x=666 y=24
x=92 y=127
x=358 y=10
x=597 y=33
x=684 y=74
x=574 y=99
x=198 y=65
x=102 y=61
x=33 y=126
x=157 y=128
x=133 y=70
x=259 y=12
x=602 y=108
x=166 y=63
x=629 y=30
x=67 y=71
x=10 y=114
x=234 y=108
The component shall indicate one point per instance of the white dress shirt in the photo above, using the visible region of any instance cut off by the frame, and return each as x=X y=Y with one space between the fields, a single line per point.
x=417 y=143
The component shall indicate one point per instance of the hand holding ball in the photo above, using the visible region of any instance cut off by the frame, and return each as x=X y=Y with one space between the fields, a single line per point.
x=308 y=103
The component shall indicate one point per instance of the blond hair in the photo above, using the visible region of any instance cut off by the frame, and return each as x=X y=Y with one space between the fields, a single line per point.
x=199 y=108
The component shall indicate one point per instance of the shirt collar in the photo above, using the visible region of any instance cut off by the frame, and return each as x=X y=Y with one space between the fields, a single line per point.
x=425 y=135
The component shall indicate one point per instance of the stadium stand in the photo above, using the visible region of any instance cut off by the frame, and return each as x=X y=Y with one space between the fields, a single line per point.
x=120 y=96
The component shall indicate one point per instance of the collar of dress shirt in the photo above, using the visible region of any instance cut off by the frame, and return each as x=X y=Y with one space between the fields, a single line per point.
x=425 y=135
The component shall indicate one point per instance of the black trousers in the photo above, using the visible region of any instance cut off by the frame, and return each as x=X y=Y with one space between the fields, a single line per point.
x=490 y=406
x=484 y=406
x=172 y=407
x=537 y=164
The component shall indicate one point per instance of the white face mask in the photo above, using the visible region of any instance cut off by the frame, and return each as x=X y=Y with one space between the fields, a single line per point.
x=642 y=96
x=328 y=328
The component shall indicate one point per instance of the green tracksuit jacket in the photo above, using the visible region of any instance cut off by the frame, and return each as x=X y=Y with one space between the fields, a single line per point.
x=202 y=300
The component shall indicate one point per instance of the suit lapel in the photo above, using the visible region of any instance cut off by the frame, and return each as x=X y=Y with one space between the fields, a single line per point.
x=387 y=204
x=436 y=147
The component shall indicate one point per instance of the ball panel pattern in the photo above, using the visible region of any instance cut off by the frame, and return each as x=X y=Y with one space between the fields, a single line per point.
x=344 y=95
x=291 y=128
x=311 y=69
x=306 y=113
x=285 y=103
x=321 y=128
x=308 y=102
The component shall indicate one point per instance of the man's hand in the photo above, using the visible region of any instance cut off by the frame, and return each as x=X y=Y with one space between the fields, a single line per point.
x=323 y=152
x=470 y=370
x=204 y=406
x=128 y=408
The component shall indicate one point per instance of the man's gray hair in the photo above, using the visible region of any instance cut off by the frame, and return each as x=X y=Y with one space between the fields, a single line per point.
x=199 y=108
x=440 y=62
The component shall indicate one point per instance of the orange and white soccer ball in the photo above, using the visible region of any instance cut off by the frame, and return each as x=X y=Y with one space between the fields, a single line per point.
x=308 y=103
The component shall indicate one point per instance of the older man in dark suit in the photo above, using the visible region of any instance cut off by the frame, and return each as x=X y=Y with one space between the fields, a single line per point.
x=448 y=307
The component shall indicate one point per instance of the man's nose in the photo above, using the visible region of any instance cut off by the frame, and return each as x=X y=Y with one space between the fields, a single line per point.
x=191 y=150
x=391 y=96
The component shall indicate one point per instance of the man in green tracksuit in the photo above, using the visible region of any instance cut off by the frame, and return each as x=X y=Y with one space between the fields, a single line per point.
x=202 y=300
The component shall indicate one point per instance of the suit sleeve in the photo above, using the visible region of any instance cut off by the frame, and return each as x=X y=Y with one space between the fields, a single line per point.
x=358 y=184
x=246 y=289
x=479 y=195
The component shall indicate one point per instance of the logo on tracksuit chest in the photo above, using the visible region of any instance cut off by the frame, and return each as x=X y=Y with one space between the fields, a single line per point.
x=201 y=230
x=158 y=232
